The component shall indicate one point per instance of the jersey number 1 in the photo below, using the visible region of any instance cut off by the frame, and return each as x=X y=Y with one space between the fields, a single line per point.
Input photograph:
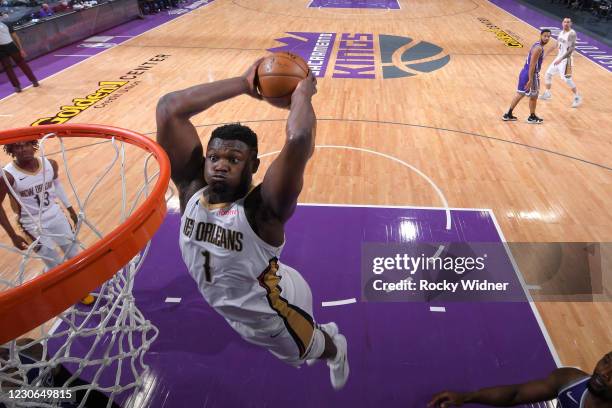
x=207 y=272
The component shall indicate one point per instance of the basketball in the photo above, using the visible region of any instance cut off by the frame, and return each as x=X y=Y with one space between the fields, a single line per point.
x=279 y=75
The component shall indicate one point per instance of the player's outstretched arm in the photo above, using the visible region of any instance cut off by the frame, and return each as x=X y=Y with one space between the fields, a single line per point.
x=283 y=181
x=510 y=395
x=17 y=240
x=179 y=138
x=61 y=194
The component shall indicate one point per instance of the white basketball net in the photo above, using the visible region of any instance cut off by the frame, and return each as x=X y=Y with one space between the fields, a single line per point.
x=107 y=339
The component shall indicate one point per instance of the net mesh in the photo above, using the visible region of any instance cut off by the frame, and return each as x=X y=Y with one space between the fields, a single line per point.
x=545 y=404
x=96 y=351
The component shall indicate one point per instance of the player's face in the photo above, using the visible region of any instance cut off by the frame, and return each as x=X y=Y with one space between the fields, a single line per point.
x=228 y=166
x=23 y=151
x=544 y=38
x=567 y=24
x=600 y=383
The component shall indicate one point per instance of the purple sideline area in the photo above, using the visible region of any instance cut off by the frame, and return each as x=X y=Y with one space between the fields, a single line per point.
x=591 y=48
x=367 y=4
x=56 y=61
x=400 y=353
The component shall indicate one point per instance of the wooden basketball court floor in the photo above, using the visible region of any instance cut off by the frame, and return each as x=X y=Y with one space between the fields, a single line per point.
x=440 y=114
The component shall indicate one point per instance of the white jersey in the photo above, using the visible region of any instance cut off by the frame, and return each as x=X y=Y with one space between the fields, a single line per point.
x=563 y=41
x=35 y=192
x=229 y=262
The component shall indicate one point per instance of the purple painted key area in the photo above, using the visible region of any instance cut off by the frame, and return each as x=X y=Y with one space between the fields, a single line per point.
x=400 y=353
x=365 y=4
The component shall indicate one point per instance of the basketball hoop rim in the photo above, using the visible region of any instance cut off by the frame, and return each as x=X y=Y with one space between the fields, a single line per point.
x=34 y=302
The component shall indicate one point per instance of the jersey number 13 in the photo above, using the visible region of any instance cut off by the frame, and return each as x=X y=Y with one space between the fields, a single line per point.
x=45 y=200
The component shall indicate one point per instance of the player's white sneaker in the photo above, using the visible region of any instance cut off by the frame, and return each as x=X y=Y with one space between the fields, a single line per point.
x=331 y=329
x=339 y=366
x=577 y=101
x=546 y=95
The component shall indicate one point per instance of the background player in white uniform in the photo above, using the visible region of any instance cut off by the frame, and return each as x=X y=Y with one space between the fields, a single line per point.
x=36 y=184
x=563 y=63
x=232 y=233
x=572 y=387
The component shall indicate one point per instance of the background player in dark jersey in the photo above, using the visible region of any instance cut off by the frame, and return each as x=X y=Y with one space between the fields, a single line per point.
x=529 y=79
x=573 y=387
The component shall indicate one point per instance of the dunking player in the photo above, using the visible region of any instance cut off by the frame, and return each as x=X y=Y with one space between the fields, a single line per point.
x=563 y=64
x=572 y=387
x=36 y=184
x=529 y=80
x=232 y=233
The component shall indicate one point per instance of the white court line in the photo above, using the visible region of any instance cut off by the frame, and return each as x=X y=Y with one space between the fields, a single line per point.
x=339 y=302
x=415 y=207
x=99 y=38
x=533 y=287
x=55 y=325
x=534 y=309
x=173 y=300
x=73 y=55
x=437 y=309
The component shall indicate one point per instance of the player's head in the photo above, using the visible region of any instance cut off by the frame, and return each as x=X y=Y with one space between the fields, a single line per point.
x=567 y=24
x=21 y=151
x=600 y=383
x=231 y=158
x=544 y=36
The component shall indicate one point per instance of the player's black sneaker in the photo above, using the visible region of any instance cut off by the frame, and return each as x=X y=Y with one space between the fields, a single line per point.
x=508 y=116
x=533 y=119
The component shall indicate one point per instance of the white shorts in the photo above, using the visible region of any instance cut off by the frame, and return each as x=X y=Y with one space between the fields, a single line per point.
x=291 y=334
x=56 y=231
x=563 y=69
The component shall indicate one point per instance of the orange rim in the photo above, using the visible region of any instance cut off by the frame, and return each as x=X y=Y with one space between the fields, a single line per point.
x=29 y=305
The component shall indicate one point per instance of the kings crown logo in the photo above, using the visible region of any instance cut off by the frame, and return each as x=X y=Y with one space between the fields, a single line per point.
x=356 y=55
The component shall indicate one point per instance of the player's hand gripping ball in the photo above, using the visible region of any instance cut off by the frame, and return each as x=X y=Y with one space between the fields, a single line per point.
x=278 y=75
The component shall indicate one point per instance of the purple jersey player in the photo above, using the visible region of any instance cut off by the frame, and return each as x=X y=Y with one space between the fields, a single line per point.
x=572 y=387
x=529 y=80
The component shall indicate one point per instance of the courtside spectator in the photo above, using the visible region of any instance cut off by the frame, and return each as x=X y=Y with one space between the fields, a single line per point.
x=45 y=11
x=10 y=47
